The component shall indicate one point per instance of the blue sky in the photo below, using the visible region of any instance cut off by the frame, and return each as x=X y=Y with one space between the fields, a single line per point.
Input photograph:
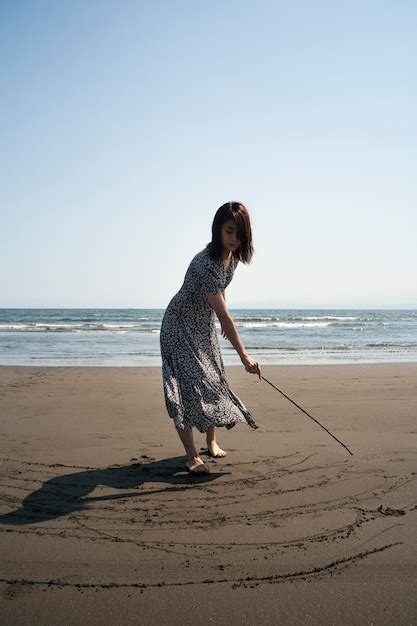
x=125 y=125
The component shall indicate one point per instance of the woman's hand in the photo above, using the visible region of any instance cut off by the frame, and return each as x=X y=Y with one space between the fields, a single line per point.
x=251 y=365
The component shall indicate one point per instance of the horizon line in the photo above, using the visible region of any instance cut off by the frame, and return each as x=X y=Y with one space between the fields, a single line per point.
x=263 y=307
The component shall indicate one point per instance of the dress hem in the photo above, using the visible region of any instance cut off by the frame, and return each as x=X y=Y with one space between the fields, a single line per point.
x=181 y=426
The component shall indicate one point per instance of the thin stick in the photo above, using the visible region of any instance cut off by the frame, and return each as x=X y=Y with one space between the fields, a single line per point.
x=308 y=414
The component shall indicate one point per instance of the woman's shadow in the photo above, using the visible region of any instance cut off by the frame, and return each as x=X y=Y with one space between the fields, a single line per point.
x=69 y=493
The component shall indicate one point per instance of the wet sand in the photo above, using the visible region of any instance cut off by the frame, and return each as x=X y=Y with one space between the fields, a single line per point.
x=101 y=524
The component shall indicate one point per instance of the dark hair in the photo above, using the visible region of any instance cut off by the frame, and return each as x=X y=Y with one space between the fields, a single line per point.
x=237 y=212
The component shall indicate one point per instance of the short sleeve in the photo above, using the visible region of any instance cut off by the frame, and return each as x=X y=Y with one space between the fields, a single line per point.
x=204 y=275
x=207 y=274
x=211 y=280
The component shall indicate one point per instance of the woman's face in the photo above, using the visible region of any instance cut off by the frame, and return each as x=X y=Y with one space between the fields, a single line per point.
x=230 y=236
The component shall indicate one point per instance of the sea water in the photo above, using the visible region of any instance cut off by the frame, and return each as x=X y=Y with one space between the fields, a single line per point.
x=130 y=337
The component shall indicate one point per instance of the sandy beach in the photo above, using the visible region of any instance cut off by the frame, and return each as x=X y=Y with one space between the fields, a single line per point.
x=102 y=525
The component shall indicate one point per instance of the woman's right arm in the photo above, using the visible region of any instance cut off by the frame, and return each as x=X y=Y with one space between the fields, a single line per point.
x=218 y=303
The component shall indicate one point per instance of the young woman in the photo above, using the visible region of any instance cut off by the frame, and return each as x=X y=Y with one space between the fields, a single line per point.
x=195 y=387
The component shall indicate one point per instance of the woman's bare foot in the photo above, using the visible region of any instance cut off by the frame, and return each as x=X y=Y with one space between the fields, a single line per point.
x=215 y=450
x=196 y=465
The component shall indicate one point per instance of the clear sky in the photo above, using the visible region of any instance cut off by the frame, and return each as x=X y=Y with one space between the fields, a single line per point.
x=125 y=125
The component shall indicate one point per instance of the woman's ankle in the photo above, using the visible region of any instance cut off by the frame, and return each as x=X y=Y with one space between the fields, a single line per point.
x=211 y=436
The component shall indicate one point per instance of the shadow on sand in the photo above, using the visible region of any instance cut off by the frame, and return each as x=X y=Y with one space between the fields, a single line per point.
x=69 y=493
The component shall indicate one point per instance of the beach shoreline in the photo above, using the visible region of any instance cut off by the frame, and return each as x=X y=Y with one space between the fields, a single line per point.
x=227 y=366
x=101 y=522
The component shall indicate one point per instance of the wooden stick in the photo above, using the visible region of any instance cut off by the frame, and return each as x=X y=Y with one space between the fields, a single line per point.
x=308 y=414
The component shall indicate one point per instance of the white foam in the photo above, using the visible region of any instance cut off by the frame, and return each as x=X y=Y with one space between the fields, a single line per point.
x=285 y=325
x=330 y=317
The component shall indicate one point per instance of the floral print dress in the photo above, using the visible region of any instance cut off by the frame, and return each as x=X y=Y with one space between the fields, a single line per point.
x=195 y=388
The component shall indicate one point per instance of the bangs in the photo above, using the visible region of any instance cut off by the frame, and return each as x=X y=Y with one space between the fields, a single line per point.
x=240 y=225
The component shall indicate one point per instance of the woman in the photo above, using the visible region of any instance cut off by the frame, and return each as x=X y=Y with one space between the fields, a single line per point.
x=195 y=387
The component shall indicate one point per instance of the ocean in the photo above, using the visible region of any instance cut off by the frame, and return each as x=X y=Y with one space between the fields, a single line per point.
x=130 y=337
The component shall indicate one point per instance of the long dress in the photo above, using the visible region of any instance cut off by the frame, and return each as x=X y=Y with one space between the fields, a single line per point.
x=195 y=388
